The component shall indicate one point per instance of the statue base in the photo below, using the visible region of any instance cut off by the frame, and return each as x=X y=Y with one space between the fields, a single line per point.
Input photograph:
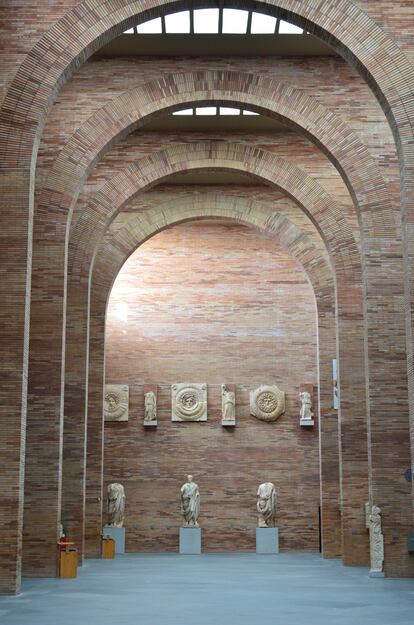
x=150 y=424
x=376 y=574
x=226 y=423
x=307 y=422
x=267 y=540
x=118 y=534
x=190 y=540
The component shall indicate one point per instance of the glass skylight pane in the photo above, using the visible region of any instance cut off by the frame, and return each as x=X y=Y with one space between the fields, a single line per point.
x=227 y=110
x=206 y=110
x=152 y=27
x=234 y=21
x=206 y=20
x=130 y=31
x=178 y=22
x=249 y=113
x=289 y=29
x=262 y=24
x=184 y=112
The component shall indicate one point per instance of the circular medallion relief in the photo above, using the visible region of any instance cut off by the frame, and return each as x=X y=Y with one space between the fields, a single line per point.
x=267 y=403
x=115 y=403
x=189 y=402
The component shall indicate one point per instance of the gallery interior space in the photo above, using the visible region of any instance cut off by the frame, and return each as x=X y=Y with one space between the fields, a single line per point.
x=207 y=309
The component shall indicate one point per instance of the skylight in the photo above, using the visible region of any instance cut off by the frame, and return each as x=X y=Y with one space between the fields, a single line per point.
x=178 y=22
x=151 y=27
x=234 y=21
x=216 y=21
x=214 y=110
x=206 y=21
x=206 y=110
x=285 y=28
x=262 y=24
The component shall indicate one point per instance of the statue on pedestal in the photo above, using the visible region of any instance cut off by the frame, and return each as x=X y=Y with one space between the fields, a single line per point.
x=228 y=404
x=190 y=503
x=116 y=505
x=306 y=413
x=150 y=407
x=266 y=504
x=376 y=540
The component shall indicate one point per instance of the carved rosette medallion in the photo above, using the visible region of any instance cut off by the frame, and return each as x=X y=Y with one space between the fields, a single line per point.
x=267 y=403
x=189 y=402
x=116 y=400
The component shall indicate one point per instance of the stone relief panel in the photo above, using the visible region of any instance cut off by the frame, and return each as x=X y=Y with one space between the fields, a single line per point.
x=150 y=400
x=267 y=403
x=228 y=405
x=116 y=401
x=189 y=402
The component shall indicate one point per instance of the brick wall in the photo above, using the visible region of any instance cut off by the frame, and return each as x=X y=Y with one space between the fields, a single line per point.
x=199 y=309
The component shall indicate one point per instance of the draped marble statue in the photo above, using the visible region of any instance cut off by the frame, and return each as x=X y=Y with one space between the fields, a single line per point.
x=266 y=504
x=376 y=541
x=306 y=414
x=150 y=407
x=228 y=404
x=190 y=503
x=116 y=505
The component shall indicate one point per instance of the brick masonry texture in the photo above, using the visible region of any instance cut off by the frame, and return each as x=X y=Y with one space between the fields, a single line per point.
x=59 y=140
x=199 y=309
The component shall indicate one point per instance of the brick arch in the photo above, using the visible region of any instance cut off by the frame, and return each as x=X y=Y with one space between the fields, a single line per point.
x=113 y=252
x=294 y=107
x=327 y=217
x=144 y=173
x=51 y=62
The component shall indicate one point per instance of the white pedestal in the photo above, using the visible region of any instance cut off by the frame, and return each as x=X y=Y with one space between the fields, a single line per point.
x=307 y=423
x=267 y=540
x=376 y=574
x=118 y=534
x=228 y=423
x=150 y=424
x=190 y=540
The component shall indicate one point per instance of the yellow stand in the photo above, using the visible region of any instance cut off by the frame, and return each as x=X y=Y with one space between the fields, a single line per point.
x=68 y=566
x=108 y=548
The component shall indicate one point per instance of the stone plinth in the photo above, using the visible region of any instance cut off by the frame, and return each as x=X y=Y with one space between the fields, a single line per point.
x=118 y=534
x=267 y=540
x=190 y=540
x=307 y=423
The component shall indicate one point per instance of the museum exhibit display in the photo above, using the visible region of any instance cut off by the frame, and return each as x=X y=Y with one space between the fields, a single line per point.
x=228 y=406
x=189 y=402
x=150 y=400
x=190 y=531
x=267 y=402
x=207 y=268
x=116 y=402
x=116 y=511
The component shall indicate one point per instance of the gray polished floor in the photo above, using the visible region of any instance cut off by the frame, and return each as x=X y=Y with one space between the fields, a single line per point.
x=213 y=589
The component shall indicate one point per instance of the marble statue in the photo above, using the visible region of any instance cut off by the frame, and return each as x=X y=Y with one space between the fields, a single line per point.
x=116 y=400
x=150 y=407
x=266 y=504
x=376 y=540
x=116 y=505
x=306 y=413
x=267 y=403
x=190 y=503
x=228 y=404
x=189 y=402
